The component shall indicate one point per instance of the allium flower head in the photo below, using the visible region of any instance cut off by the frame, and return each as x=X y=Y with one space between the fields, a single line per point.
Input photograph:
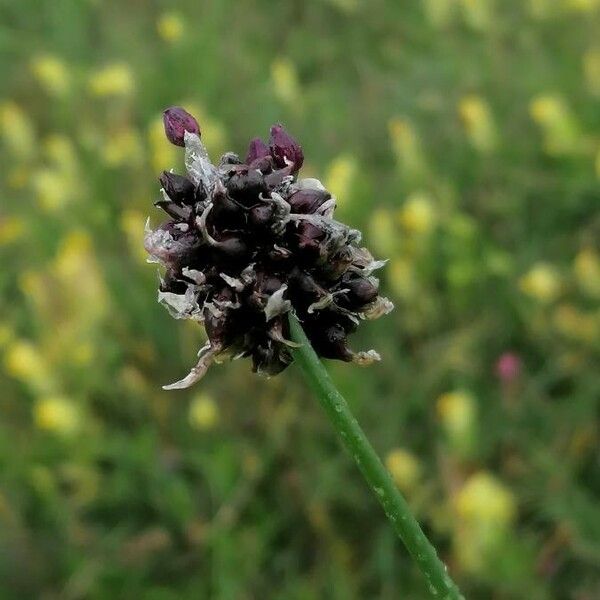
x=248 y=242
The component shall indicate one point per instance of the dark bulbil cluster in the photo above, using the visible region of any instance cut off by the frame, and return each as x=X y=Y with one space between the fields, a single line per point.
x=246 y=242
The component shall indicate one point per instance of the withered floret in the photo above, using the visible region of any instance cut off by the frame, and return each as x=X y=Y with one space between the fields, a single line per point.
x=248 y=242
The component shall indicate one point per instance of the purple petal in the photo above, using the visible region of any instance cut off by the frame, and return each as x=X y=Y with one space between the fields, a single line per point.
x=285 y=150
x=257 y=149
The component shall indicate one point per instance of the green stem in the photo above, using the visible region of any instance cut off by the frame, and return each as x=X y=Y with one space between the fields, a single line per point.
x=379 y=480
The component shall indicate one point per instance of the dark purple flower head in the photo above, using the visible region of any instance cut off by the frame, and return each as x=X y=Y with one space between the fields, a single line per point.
x=285 y=150
x=249 y=242
x=177 y=121
x=257 y=149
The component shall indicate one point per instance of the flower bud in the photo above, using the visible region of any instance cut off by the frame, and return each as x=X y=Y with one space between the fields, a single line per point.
x=179 y=188
x=308 y=201
x=261 y=215
x=257 y=149
x=285 y=149
x=177 y=121
x=361 y=290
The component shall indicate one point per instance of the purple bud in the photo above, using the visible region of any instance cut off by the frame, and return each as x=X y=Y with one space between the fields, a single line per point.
x=308 y=201
x=179 y=188
x=257 y=149
x=285 y=149
x=177 y=121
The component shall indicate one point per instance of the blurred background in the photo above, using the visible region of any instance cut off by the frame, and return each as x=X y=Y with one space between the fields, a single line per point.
x=463 y=137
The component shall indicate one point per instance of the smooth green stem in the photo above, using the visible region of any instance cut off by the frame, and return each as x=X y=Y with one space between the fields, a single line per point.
x=378 y=478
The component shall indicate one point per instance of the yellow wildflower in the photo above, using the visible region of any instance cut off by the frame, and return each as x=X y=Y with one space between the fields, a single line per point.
x=54 y=189
x=170 y=27
x=402 y=278
x=52 y=74
x=457 y=412
x=24 y=361
x=57 y=414
x=587 y=272
x=479 y=123
x=417 y=214
x=11 y=229
x=562 y=133
x=584 y=6
x=576 y=324
x=407 y=147
x=123 y=147
x=340 y=176
x=404 y=467
x=112 y=80
x=60 y=151
x=284 y=79
x=541 y=282
x=383 y=232
x=17 y=130
x=485 y=499
x=203 y=412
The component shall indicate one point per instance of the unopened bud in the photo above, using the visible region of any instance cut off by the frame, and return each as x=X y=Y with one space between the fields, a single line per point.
x=177 y=121
x=285 y=150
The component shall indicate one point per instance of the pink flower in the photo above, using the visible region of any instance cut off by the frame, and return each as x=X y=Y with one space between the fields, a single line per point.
x=508 y=367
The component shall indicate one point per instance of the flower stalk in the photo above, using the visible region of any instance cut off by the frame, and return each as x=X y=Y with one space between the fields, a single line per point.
x=354 y=439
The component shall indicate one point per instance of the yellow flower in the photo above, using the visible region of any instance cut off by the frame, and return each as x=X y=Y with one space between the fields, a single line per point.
x=17 y=130
x=54 y=189
x=52 y=74
x=24 y=361
x=591 y=68
x=60 y=151
x=11 y=229
x=457 y=412
x=404 y=467
x=402 y=278
x=587 y=272
x=57 y=414
x=485 y=499
x=541 y=282
x=383 y=232
x=584 y=6
x=112 y=80
x=479 y=123
x=576 y=324
x=417 y=214
x=284 y=79
x=407 y=147
x=562 y=133
x=123 y=147
x=340 y=176
x=203 y=412
x=170 y=26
